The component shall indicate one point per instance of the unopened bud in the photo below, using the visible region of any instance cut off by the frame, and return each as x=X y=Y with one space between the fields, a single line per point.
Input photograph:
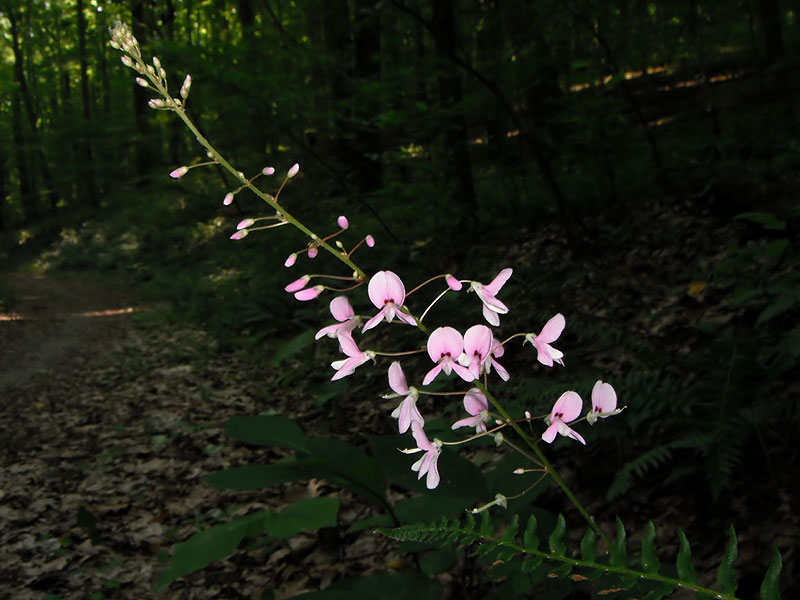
x=343 y=222
x=187 y=84
x=228 y=198
x=309 y=293
x=339 y=245
x=142 y=82
x=519 y=471
x=268 y=170
x=293 y=171
x=245 y=223
x=179 y=172
x=155 y=103
x=498 y=438
x=240 y=235
x=528 y=414
x=126 y=60
x=370 y=241
x=313 y=251
x=290 y=260
x=298 y=284
x=453 y=283
x=156 y=62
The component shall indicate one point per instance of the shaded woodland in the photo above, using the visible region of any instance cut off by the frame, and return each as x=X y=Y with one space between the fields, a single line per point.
x=637 y=163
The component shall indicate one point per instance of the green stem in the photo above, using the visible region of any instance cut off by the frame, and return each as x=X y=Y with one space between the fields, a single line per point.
x=545 y=463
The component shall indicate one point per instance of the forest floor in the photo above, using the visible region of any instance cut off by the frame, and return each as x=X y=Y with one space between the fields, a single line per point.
x=108 y=425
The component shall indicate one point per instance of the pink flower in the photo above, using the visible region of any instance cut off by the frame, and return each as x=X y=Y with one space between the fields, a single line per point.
x=407 y=412
x=343 y=222
x=342 y=312
x=355 y=357
x=428 y=463
x=370 y=241
x=604 y=402
x=475 y=403
x=566 y=409
x=546 y=354
x=492 y=307
x=387 y=292
x=445 y=346
x=479 y=349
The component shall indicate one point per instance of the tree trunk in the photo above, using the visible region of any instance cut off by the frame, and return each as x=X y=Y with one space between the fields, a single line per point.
x=86 y=183
x=367 y=47
x=27 y=185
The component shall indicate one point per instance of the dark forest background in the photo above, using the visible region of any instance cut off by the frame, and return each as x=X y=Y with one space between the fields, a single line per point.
x=636 y=162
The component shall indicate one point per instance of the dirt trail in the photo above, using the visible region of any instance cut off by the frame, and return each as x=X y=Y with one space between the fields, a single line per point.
x=57 y=324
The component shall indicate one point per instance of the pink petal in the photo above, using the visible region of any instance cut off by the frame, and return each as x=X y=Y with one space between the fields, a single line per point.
x=543 y=356
x=499 y=281
x=443 y=341
x=550 y=433
x=468 y=422
x=604 y=398
x=374 y=320
x=433 y=474
x=298 y=284
x=341 y=309
x=490 y=316
x=348 y=345
x=462 y=372
x=406 y=318
x=419 y=436
x=397 y=379
x=330 y=331
x=552 y=329
x=568 y=405
x=309 y=293
x=432 y=374
x=408 y=414
x=478 y=340
x=475 y=402
x=501 y=370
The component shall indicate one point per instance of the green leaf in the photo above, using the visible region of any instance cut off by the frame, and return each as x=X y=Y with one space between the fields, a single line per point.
x=255 y=477
x=529 y=538
x=589 y=546
x=726 y=575
x=765 y=219
x=770 y=587
x=292 y=347
x=267 y=430
x=665 y=589
x=214 y=543
x=618 y=556
x=511 y=531
x=649 y=558
x=305 y=515
x=556 y=539
x=686 y=571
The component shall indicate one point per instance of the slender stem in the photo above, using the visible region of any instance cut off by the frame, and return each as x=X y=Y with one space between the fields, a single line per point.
x=545 y=463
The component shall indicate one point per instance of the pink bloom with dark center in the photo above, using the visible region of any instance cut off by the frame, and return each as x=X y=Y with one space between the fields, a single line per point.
x=387 y=292
x=566 y=409
x=604 y=402
x=475 y=403
x=445 y=346
x=480 y=350
x=406 y=413
x=492 y=307
x=342 y=312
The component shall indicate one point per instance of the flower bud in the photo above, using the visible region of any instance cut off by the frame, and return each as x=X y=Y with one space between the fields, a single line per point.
x=313 y=251
x=268 y=170
x=343 y=222
x=453 y=283
x=370 y=241
x=245 y=223
x=187 y=84
x=155 y=103
x=528 y=414
x=142 y=82
x=240 y=235
x=290 y=260
x=228 y=198
x=156 y=62
x=126 y=60
x=179 y=172
x=519 y=471
x=298 y=284
x=293 y=171
x=309 y=293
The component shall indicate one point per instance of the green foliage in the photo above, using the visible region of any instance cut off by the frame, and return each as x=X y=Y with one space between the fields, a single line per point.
x=504 y=545
x=219 y=541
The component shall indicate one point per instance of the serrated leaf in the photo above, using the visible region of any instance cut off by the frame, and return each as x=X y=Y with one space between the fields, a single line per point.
x=686 y=571
x=665 y=589
x=531 y=563
x=485 y=528
x=770 y=587
x=649 y=557
x=726 y=575
x=589 y=546
x=469 y=522
x=529 y=538
x=618 y=556
x=556 y=539
x=511 y=531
